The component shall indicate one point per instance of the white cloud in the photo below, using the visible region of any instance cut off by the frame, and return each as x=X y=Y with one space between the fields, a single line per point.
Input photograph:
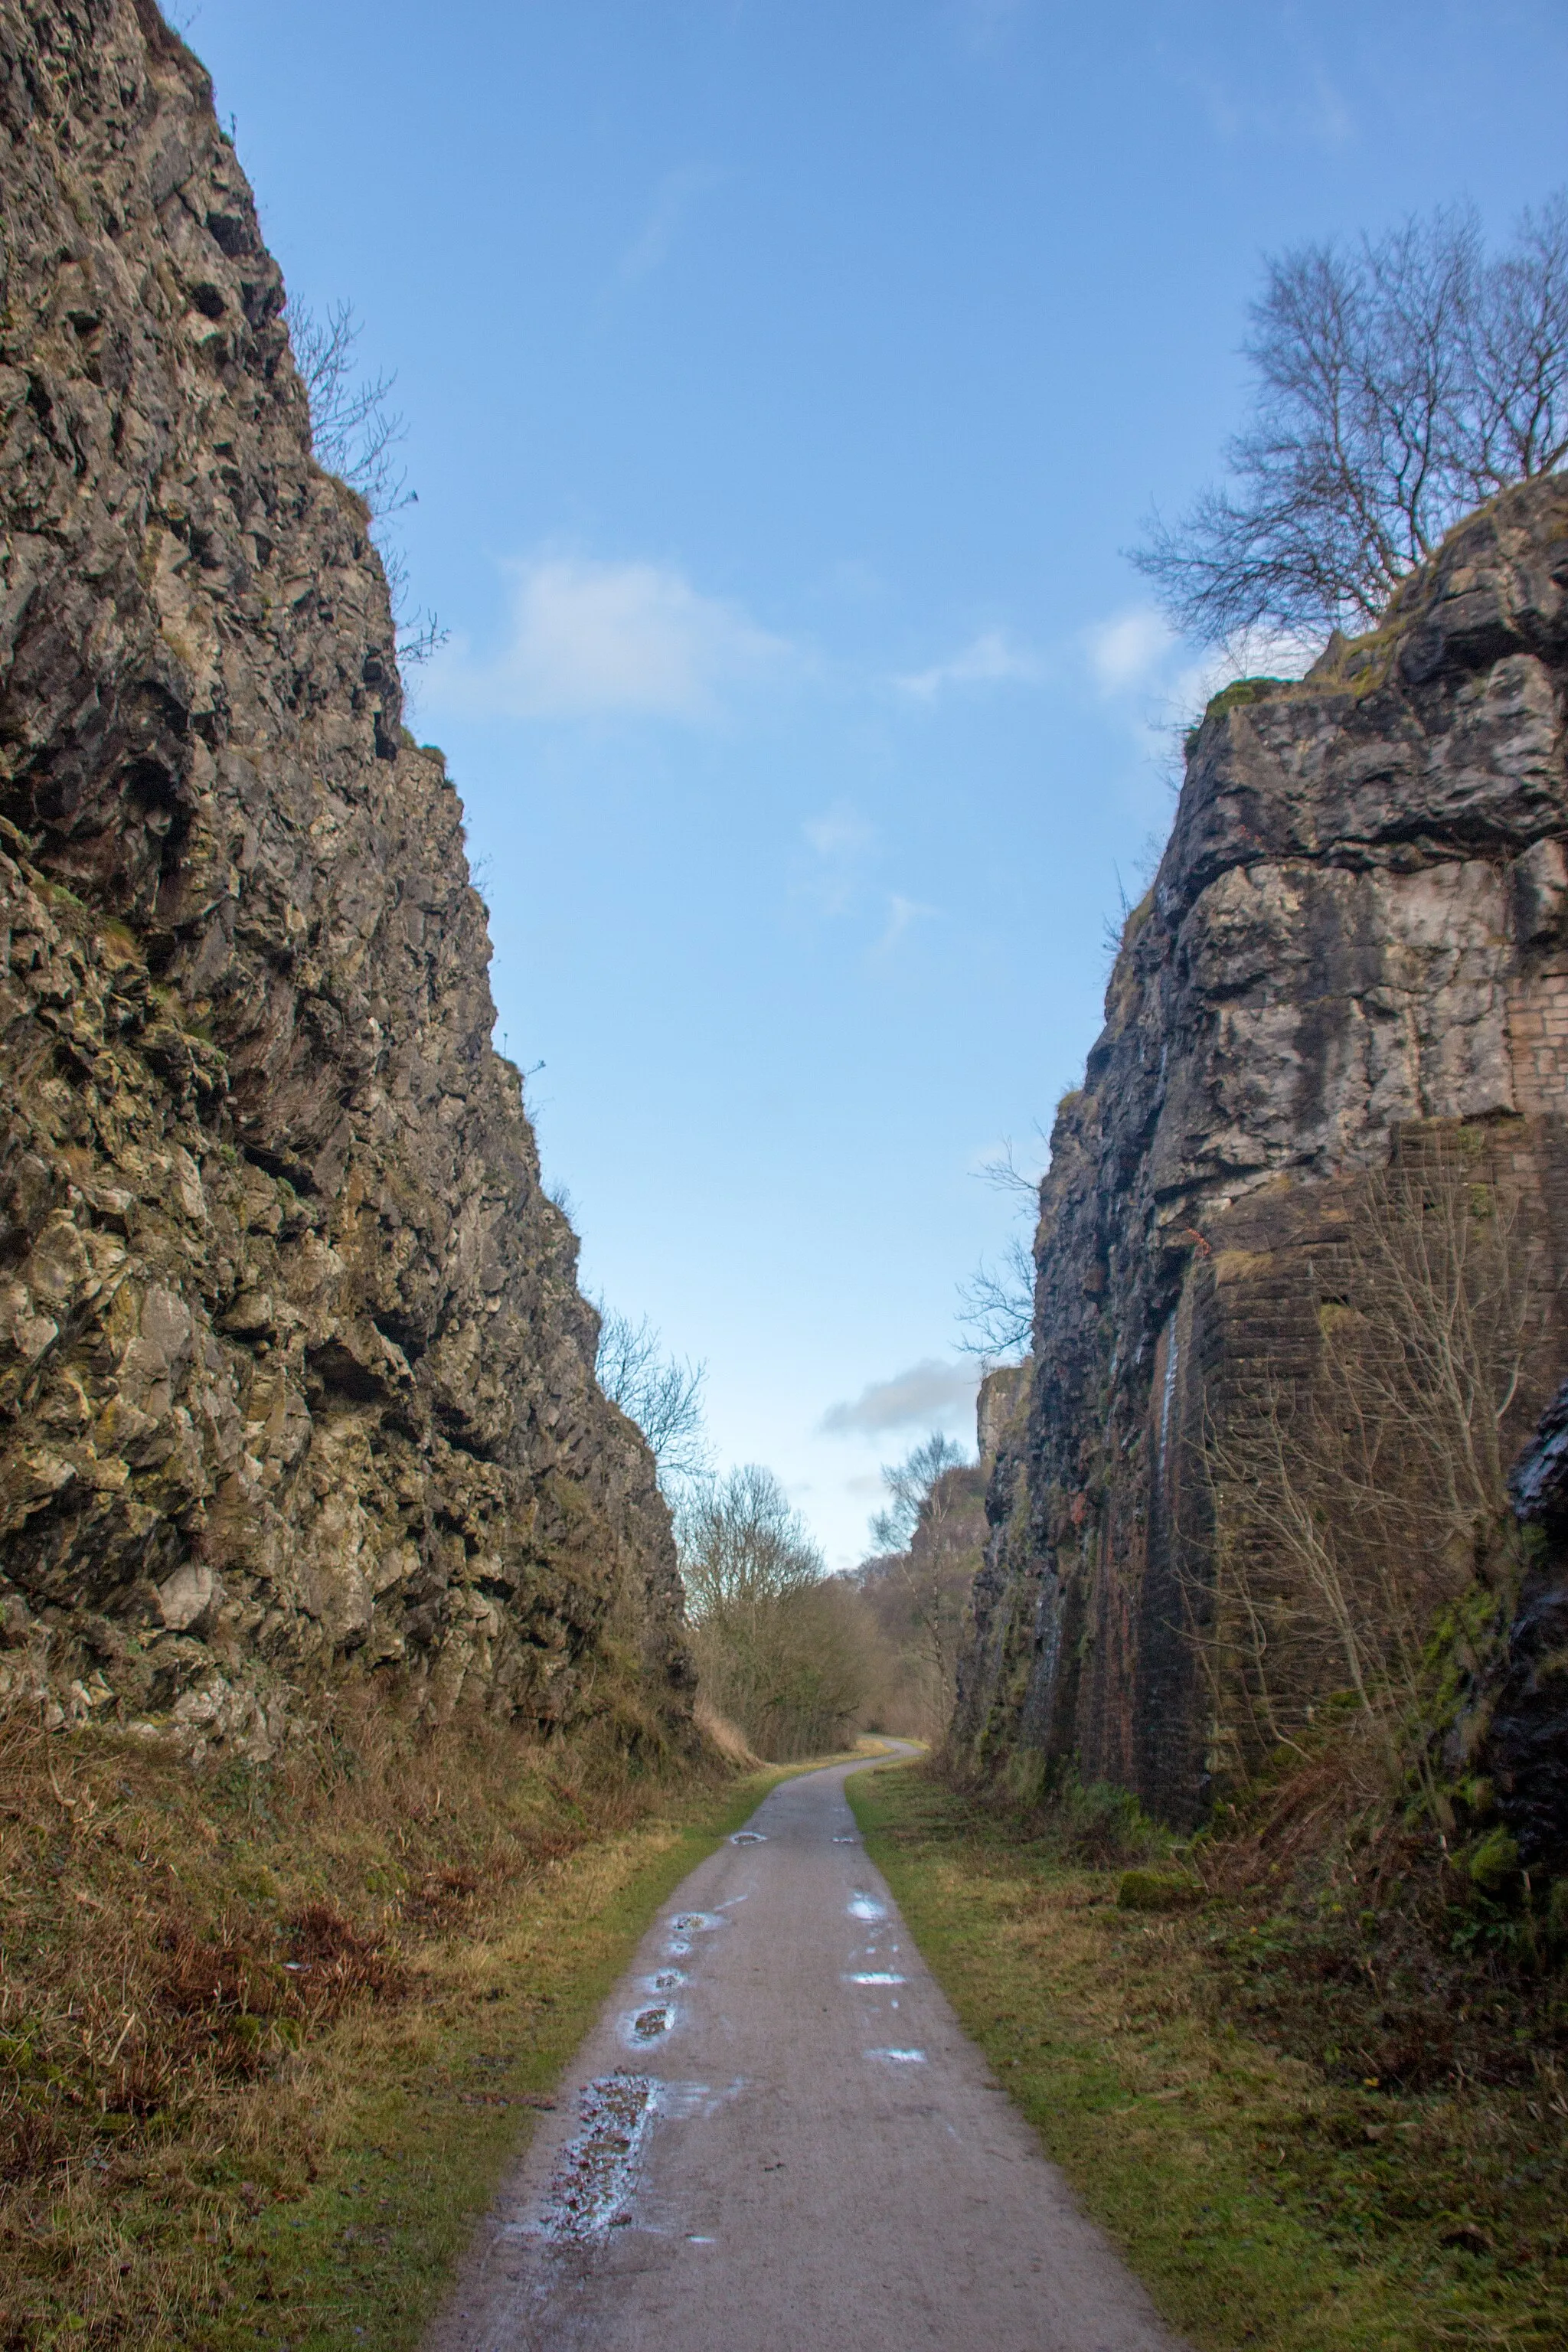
x=1128 y=649
x=593 y=639
x=990 y=659
x=931 y=1394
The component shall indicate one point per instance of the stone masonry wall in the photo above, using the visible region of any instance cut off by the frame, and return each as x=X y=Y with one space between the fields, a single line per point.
x=1357 y=940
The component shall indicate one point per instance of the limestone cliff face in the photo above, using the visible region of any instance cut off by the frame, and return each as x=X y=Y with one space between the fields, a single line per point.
x=293 y=1365
x=1360 y=926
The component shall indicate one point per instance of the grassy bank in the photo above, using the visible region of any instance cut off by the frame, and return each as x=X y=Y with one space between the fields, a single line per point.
x=269 y=2037
x=1267 y=2199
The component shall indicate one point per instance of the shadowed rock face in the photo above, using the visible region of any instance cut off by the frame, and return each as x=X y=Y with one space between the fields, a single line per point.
x=1358 y=929
x=293 y=1365
x=1521 y=1734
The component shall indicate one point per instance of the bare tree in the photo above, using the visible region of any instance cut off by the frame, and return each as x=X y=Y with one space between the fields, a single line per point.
x=1353 y=1504
x=996 y=1305
x=781 y=1647
x=661 y=1393
x=355 y=434
x=910 y=1484
x=927 y=1538
x=1399 y=384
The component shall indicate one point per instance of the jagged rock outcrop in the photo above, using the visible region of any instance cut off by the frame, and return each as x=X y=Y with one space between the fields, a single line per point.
x=293 y=1365
x=1358 y=937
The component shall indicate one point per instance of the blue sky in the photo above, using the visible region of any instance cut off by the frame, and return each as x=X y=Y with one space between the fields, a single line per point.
x=783 y=378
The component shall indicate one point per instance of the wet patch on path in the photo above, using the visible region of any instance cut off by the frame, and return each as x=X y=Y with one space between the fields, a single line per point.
x=593 y=2180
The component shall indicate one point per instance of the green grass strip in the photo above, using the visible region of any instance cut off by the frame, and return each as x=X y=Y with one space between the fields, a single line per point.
x=1262 y=2204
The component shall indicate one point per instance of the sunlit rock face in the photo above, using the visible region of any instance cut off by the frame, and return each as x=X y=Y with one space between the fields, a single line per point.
x=1359 y=929
x=295 y=1369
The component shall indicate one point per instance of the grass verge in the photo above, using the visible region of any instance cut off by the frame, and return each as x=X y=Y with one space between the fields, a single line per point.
x=268 y=2039
x=1264 y=2201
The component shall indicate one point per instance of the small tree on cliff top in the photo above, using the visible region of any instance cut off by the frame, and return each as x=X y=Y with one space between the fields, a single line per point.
x=1398 y=383
x=662 y=1395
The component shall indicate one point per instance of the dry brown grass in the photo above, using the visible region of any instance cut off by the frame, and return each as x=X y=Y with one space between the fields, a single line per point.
x=180 y=1950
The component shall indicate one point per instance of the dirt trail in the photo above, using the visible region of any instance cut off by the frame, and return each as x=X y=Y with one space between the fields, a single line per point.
x=777 y=2140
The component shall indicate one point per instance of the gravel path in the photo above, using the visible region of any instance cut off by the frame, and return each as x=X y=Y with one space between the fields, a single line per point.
x=777 y=2140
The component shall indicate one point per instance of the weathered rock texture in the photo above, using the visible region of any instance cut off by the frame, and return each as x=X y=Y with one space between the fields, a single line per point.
x=293 y=1365
x=1521 y=1732
x=1359 y=929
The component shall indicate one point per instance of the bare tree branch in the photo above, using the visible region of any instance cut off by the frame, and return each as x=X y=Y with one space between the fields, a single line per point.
x=662 y=1395
x=355 y=435
x=1399 y=384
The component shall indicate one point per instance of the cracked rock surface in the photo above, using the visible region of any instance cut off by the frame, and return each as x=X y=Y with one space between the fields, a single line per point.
x=294 y=1368
x=1358 y=935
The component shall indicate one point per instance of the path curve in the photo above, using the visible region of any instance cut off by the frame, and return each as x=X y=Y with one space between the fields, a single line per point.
x=777 y=2138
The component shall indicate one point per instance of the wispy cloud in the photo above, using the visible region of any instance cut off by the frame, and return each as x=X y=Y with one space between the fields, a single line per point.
x=990 y=659
x=673 y=201
x=931 y=1394
x=840 y=834
x=1129 y=649
x=841 y=841
x=1316 y=111
x=985 y=26
x=590 y=639
x=901 y=913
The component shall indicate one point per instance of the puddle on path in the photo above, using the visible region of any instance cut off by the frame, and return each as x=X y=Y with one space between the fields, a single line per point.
x=898 y=2057
x=874 y=1976
x=748 y=1837
x=688 y=1923
x=649 y=2023
x=866 y=1907
x=666 y=1982
x=593 y=2178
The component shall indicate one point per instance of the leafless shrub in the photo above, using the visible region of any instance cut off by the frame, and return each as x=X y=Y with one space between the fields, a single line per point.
x=996 y=1305
x=1351 y=1505
x=918 y=1585
x=661 y=1393
x=356 y=436
x=1398 y=385
x=780 y=1645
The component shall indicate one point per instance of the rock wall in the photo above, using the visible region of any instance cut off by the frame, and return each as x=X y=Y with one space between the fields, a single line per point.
x=293 y=1365
x=1358 y=938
